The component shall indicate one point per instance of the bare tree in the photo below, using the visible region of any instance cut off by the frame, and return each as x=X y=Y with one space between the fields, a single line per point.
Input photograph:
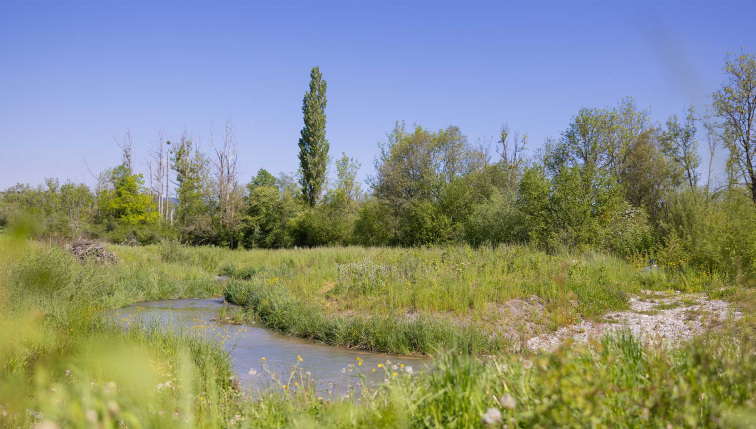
x=511 y=150
x=167 y=203
x=713 y=139
x=126 y=146
x=158 y=156
x=226 y=172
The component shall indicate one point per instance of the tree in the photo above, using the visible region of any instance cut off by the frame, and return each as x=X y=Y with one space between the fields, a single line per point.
x=424 y=166
x=347 y=190
x=679 y=144
x=313 y=146
x=126 y=145
x=228 y=192
x=735 y=104
x=601 y=138
x=271 y=203
x=75 y=199
x=193 y=189
x=126 y=201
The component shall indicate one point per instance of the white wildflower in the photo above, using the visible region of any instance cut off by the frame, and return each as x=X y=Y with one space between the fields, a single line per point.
x=113 y=408
x=253 y=372
x=91 y=416
x=491 y=417
x=507 y=401
x=408 y=369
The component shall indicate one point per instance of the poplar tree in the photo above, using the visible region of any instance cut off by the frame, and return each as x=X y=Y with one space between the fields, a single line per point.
x=313 y=146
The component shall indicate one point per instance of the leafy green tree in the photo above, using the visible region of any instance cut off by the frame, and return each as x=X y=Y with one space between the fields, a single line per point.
x=424 y=166
x=271 y=205
x=313 y=146
x=424 y=224
x=648 y=176
x=735 y=104
x=601 y=138
x=533 y=203
x=348 y=190
x=374 y=223
x=679 y=144
x=193 y=191
x=127 y=201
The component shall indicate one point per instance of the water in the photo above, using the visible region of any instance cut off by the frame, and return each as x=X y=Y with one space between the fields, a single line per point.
x=248 y=344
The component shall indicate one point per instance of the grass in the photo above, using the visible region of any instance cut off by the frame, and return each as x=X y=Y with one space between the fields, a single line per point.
x=429 y=300
x=62 y=364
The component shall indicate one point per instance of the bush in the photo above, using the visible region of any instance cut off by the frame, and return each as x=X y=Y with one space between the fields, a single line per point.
x=424 y=224
x=496 y=221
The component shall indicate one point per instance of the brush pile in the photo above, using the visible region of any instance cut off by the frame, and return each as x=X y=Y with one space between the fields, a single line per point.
x=86 y=250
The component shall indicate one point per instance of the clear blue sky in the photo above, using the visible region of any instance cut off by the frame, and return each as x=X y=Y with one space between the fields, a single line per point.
x=73 y=76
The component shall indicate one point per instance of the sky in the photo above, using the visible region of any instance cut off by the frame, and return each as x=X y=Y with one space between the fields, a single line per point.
x=75 y=76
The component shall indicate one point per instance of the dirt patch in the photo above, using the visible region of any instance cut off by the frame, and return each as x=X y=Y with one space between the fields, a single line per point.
x=653 y=317
x=517 y=318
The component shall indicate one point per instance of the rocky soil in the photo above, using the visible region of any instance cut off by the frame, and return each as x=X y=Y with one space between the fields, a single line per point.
x=653 y=317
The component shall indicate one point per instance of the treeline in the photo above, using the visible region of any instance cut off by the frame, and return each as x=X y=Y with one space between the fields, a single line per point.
x=614 y=180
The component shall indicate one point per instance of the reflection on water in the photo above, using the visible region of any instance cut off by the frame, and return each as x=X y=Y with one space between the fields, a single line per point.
x=249 y=344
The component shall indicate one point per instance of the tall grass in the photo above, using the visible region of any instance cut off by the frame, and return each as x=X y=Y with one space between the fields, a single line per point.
x=64 y=364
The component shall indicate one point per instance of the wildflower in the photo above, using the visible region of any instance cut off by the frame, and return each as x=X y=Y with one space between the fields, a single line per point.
x=160 y=386
x=396 y=374
x=68 y=373
x=373 y=369
x=110 y=388
x=402 y=365
x=394 y=367
x=343 y=370
x=507 y=401
x=491 y=417
x=113 y=408
x=296 y=384
x=299 y=358
x=380 y=365
x=91 y=416
x=252 y=372
x=527 y=364
x=408 y=370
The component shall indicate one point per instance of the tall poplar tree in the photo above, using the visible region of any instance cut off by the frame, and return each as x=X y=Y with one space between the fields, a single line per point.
x=313 y=146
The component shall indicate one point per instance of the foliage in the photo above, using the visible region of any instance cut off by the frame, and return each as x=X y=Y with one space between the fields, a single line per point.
x=126 y=201
x=271 y=204
x=735 y=104
x=313 y=146
x=195 y=207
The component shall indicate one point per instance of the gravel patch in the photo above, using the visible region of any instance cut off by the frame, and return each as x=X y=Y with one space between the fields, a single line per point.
x=653 y=317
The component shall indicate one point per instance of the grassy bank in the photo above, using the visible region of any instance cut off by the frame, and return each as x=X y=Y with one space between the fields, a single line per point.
x=64 y=365
x=428 y=300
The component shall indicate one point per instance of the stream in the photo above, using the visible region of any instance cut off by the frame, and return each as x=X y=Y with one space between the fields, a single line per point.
x=249 y=344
